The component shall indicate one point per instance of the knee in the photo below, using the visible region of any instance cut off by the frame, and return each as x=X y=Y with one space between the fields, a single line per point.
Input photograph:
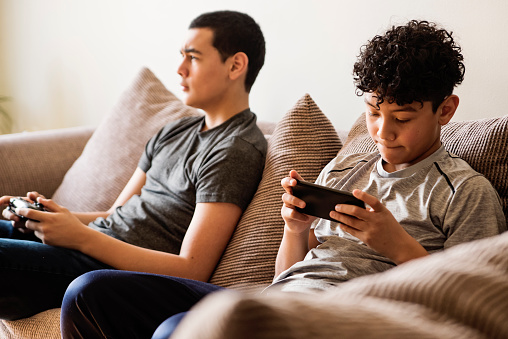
x=166 y=329
x=89 y=286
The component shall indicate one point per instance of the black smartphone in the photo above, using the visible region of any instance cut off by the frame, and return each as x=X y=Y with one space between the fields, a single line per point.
x=320 y=200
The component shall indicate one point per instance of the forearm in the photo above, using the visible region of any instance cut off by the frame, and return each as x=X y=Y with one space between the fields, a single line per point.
x=409 y=250
x=292 y=249
x=124 y=256
x=88 y=217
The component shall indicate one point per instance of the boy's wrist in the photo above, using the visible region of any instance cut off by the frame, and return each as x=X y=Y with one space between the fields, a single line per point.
x=412 y=250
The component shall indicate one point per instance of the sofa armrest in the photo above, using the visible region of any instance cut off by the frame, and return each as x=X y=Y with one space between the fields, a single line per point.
x=38 y=161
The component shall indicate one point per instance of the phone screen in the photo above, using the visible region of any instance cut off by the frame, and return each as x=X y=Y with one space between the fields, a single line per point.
x=320 y=200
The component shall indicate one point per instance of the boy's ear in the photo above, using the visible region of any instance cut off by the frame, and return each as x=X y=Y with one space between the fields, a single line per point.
x=447 y=109
x=239 y=64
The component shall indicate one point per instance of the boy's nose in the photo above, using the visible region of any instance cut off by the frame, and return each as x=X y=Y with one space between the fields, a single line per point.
x=386 y=131
x=182 y=69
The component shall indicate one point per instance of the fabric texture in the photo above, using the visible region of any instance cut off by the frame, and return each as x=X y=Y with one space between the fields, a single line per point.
x=482 y=143
x=458 y=293
x=112 y=153
x=44 y=325
x=32 y=164
x=304 y=140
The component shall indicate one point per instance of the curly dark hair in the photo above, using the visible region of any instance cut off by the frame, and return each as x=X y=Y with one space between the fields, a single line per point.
x=415 y=62
x=235 y=32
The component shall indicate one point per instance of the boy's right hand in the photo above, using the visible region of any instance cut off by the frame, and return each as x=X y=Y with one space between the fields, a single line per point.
x=296 y=222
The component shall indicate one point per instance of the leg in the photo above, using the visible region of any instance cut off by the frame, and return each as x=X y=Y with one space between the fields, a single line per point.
x=119 y=304
x=9 y=232
x=166 y=329
x=34 y=276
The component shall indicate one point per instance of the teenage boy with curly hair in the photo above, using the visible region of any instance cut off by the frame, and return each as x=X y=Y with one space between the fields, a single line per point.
x=178 y=211
x=420 y=198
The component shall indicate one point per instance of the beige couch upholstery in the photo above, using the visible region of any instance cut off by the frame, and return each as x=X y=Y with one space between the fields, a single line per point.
x=85 y=169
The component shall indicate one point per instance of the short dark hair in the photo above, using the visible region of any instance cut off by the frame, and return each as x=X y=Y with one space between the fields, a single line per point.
x=415 y=62
x=235 y=32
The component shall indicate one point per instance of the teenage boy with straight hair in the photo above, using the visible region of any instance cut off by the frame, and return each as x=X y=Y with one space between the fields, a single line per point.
x=178 y=211
x=420 y=198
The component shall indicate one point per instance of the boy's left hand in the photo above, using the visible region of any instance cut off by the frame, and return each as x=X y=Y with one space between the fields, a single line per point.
x=378 y=229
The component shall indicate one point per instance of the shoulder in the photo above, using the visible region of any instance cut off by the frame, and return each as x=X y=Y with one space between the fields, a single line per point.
x=242 y=132
x=459 y=173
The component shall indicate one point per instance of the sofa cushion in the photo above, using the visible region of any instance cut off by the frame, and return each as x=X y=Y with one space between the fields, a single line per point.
x=482 y=143
x=43 y=325
x=111 y=155
x=458 y=293
x=304 y=140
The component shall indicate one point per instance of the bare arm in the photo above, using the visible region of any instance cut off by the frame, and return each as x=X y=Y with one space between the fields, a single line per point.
x=133 y=187
x=207 y=236
x=298 y=238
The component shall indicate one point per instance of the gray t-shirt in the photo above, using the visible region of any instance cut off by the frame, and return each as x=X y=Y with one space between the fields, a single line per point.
x=185 y=166
x=440 y=201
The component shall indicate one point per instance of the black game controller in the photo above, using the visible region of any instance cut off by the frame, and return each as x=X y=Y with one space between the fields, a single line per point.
x=23 y=203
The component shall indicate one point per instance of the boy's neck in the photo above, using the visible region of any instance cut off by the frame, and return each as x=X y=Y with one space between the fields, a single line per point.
x=223 y=111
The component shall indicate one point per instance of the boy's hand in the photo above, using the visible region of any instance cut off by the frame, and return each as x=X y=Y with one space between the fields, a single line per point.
x=378 y=229
x=57 y=227
x=296 y=222
x=17 y=222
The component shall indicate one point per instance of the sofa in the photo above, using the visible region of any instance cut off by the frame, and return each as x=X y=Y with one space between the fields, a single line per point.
x=447 y=295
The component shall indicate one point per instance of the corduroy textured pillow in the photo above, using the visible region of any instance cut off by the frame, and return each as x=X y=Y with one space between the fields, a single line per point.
x=304 y=140
x=482 y=143
x=111 y=155
x=458 y=293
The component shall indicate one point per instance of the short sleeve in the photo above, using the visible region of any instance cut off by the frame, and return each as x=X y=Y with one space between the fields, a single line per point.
x=474 y=212
x=230 y=173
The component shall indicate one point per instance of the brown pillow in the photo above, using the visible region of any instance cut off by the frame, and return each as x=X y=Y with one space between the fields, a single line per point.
x=304 y=140
x=111 y=155
x=482 y=143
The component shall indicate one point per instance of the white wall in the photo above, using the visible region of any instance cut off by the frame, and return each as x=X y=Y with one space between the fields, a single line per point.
x=66 y=62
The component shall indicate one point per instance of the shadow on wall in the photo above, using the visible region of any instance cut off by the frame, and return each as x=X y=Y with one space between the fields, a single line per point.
x=5 y=118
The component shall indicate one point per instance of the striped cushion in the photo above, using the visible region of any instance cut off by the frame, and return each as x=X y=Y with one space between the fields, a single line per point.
x=304 y=140
x=112 y=153
x=458 y=293
x=482 y=143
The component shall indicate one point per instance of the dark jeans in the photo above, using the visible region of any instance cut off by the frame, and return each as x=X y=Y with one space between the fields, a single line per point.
x=120 y=304
x=34 y=276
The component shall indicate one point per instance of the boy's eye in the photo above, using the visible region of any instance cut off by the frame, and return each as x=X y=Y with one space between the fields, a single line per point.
x=402 y=121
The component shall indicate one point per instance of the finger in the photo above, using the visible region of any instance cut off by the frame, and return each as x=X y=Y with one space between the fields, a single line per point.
x=49 y=204
x=5 y=200
x=346 y=219
x=32 y=225
x=369 y=200
x=287 y=183
x=294 y=174
x=291 y=201
x=353 y=231
x=292 y=214
x=33 y=195
x=7 y=214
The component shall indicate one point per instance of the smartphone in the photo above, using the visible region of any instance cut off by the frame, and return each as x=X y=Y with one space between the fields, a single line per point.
x=320 y=200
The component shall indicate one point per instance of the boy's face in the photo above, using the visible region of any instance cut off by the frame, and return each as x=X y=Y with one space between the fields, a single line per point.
x=204 y=74
x=404 y=135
